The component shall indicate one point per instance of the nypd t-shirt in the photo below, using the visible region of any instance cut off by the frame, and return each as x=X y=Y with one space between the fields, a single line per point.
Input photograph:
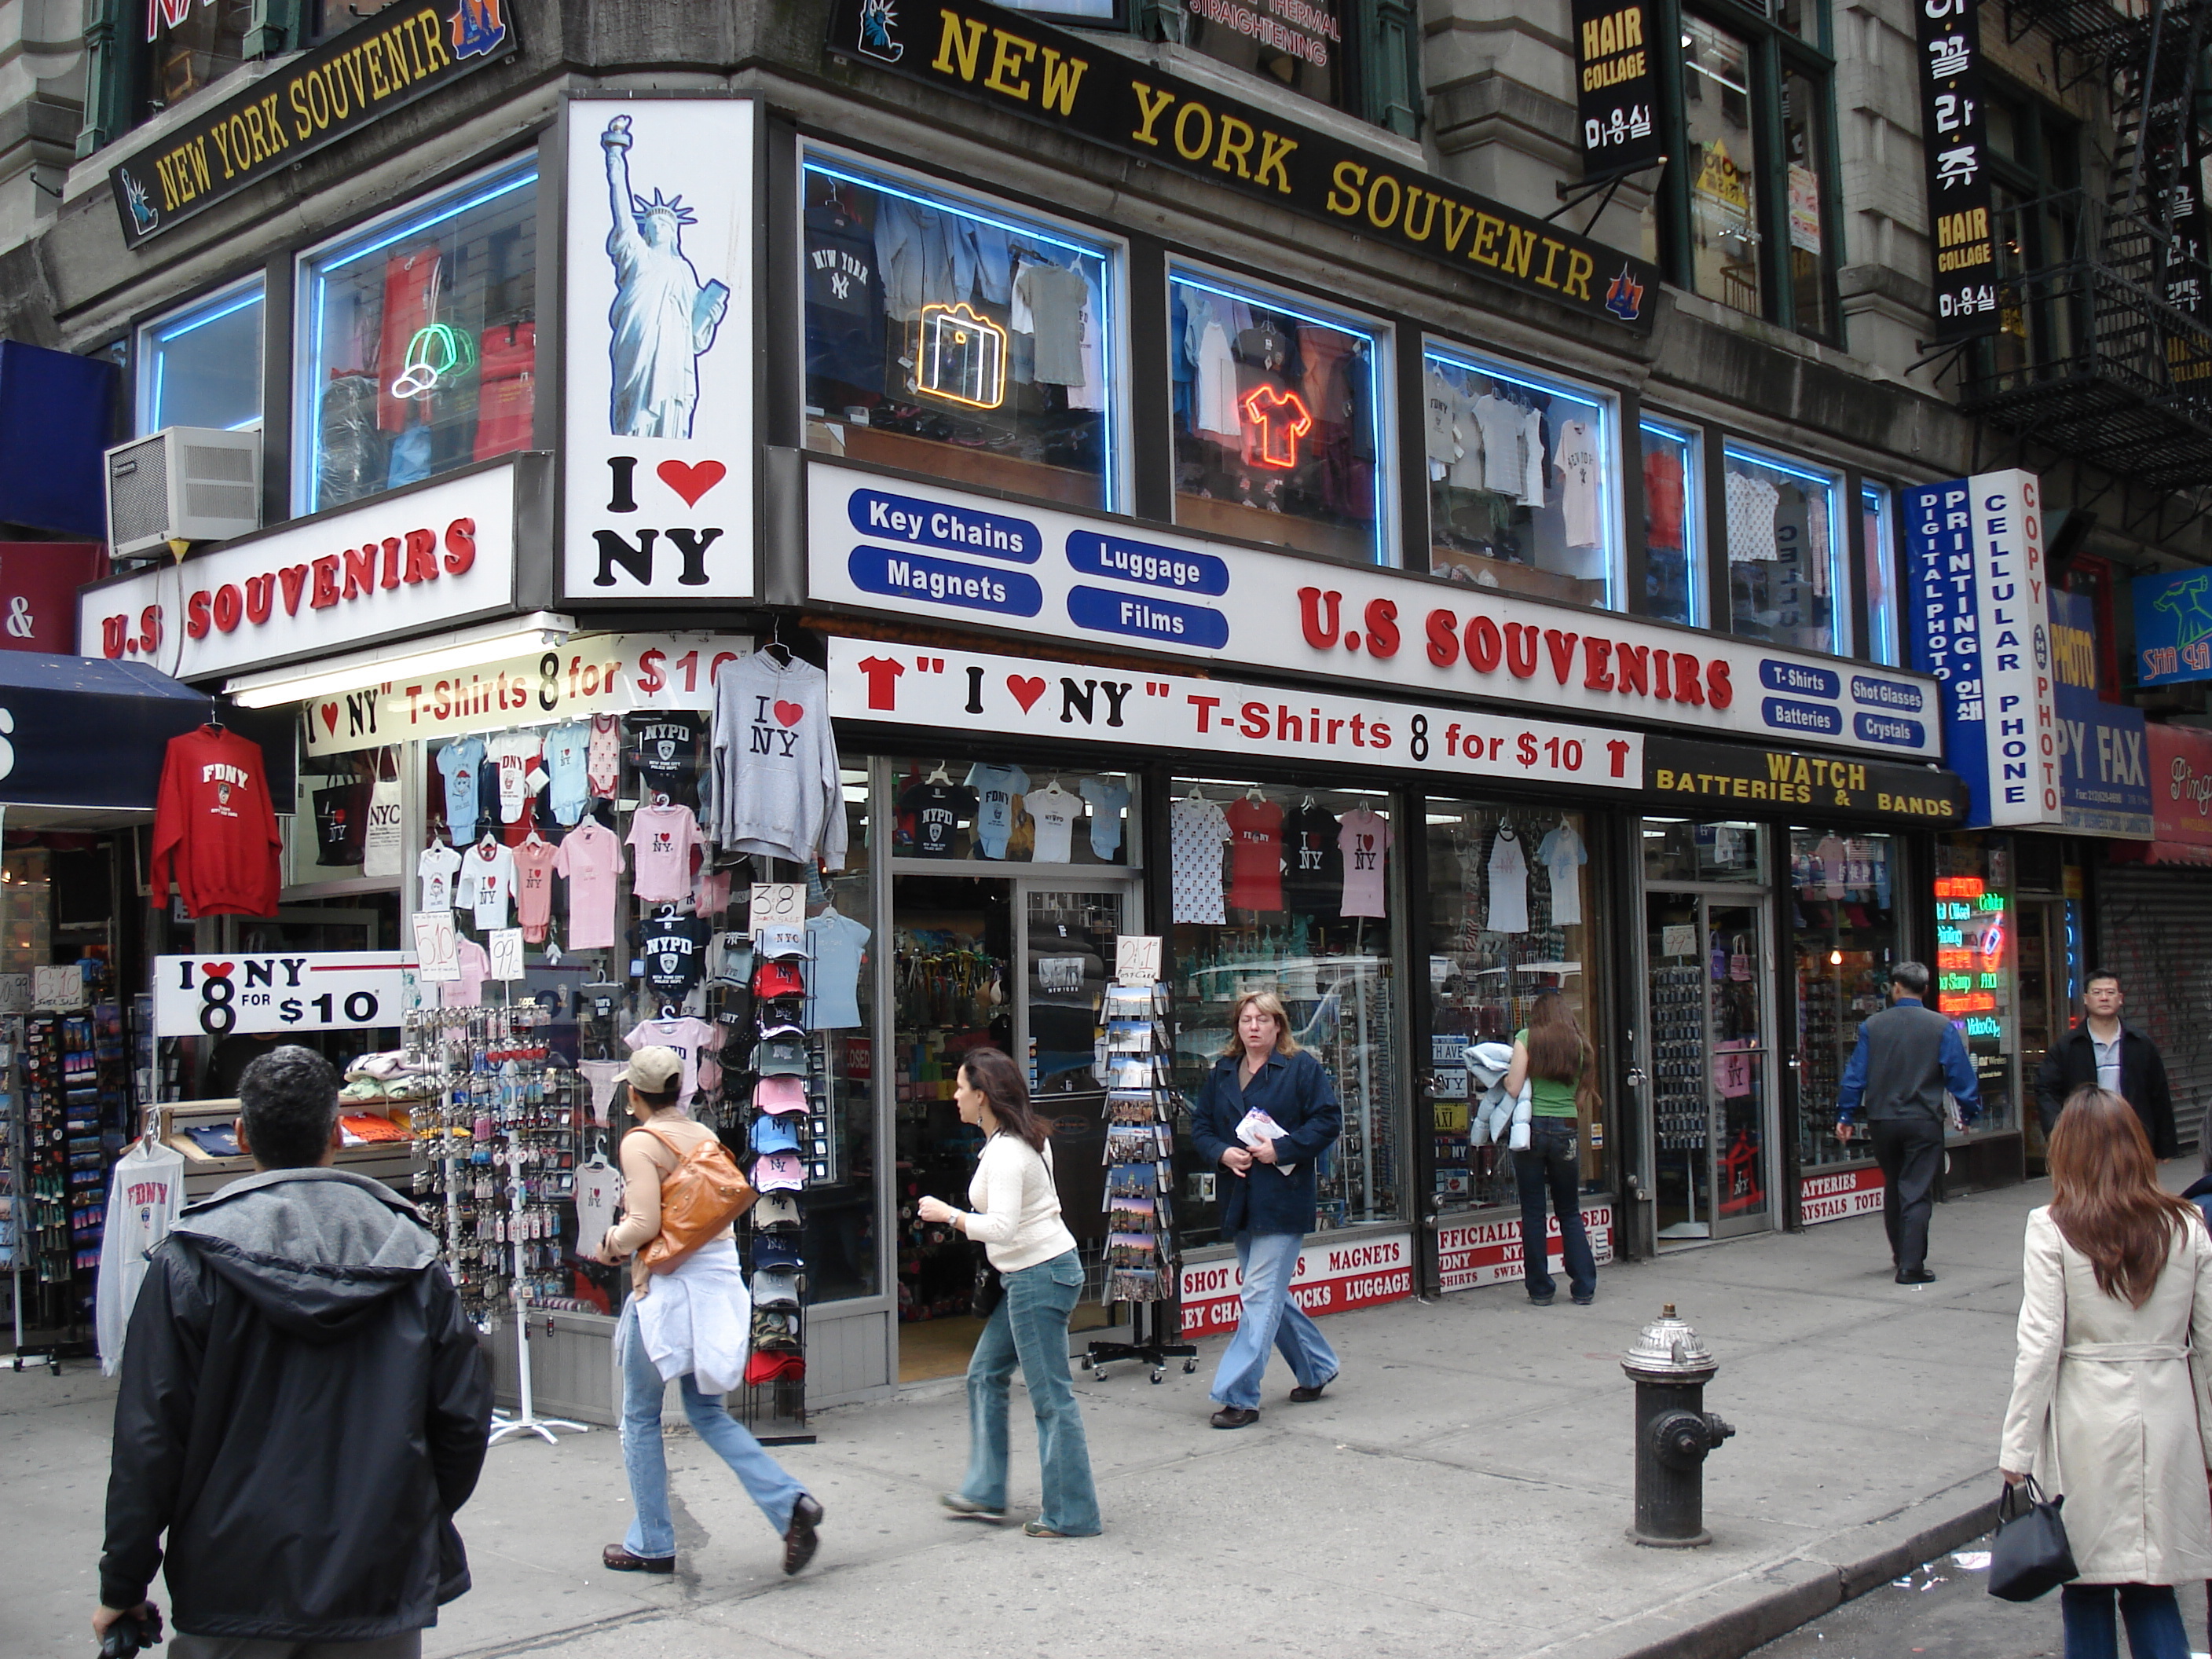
x=675 y=952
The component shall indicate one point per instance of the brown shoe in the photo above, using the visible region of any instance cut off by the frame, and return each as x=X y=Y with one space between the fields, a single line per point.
x=1304 y=1396
x=1235 y=1417
x=618 y=1559
x=799 y=1542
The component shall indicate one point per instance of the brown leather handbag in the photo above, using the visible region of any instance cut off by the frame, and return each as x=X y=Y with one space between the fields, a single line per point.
x=700 y=1197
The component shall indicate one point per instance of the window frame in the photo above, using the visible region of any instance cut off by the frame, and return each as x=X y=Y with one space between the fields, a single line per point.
x=1697 y=537
x=1842 y=574
x=146 y=340
x=1884 y=625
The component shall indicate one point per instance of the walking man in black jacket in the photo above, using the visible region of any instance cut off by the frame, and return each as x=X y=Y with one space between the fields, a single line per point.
x=2105 y=1052
x=303 y=1407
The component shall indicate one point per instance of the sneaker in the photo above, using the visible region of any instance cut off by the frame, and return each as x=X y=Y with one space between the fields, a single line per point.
x=967 y=1509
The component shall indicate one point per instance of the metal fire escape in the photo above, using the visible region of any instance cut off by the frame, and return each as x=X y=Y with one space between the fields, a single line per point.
x=2105 y=346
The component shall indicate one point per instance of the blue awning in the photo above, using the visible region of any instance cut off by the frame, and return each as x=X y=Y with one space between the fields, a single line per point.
x=82 y=733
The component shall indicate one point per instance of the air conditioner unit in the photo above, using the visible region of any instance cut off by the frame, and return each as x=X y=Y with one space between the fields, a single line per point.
x=185 y=483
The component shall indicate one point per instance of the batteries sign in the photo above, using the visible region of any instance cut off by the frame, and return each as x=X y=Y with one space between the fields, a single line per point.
x=304 y=991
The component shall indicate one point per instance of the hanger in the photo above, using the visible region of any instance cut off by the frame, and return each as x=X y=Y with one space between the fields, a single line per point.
x=1196 y=793
x=534 y=839
x=777 y=651
x=489 y=842
x=668 y=1011
x=660 y=797
x=215 y=717
x=938 y=775
x=1255 y=796
x=667 y=914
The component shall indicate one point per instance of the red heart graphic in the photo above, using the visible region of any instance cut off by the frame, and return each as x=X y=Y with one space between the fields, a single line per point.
x=218 y=970
x=1026 y=688
x=788 y=712
x=691 y=482
x=331 y=718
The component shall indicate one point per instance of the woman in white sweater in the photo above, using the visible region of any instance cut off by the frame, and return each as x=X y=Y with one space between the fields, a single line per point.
x=1016 y=1218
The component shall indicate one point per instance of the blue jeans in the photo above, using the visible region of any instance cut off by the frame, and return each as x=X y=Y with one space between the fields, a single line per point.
x=1549 y=1164
x=1269 y=1318
x=1030 y=1328
x=2152 y=1616
x=645 y=1460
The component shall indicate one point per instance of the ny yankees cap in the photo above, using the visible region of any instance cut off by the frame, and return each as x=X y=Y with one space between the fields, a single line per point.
x=773 y=1253
x=776 y=1212
x=783 y=1057
x=778 y=940
x=774 y=1172
x=780 y=1094
x=773 y=1134
x=775 y=1287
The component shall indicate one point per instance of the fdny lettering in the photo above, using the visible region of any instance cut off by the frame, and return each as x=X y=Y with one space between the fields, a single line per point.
x=216 y=772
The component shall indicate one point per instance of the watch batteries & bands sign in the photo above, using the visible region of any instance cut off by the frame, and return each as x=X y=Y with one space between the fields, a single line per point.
x=308 y=991
x=871 y=680
x=1478 y=1253
x=1328 y=1277
x=916 y=551
x=386 y=61
x=1012 y=62
x=1737 y=775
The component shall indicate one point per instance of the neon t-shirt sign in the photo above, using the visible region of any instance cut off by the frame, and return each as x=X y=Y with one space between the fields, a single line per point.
x=1275 y=421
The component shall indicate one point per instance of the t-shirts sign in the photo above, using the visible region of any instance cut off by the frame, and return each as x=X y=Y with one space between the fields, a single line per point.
x=300 y=991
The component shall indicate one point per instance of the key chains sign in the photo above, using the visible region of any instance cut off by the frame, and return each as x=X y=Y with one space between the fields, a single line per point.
x=309 y=991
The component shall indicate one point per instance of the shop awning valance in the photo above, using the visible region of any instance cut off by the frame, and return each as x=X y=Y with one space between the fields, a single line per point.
x=79 y=732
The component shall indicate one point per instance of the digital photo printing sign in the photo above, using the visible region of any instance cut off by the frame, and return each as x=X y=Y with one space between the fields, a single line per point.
x=916 y=551
x=1980 y=627
x=657 y=365
x=2104 y=780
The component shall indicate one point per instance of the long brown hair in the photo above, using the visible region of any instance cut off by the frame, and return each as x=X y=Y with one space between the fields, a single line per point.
x=1558 y=1050
x=1000 y=1080
x=2104 y=1195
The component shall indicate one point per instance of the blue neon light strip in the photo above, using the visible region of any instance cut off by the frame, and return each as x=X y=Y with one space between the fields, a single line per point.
x=251 y=297
x=1549 y=388
x=416 y=226
x=1271 y=302
x=1751 y=458
x=959 y=205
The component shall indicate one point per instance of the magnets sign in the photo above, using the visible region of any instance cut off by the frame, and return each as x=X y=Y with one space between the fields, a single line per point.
x=658 y=366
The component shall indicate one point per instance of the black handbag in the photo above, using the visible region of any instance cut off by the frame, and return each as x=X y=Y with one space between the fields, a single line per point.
x=2030 y=1556
x=990 y=1286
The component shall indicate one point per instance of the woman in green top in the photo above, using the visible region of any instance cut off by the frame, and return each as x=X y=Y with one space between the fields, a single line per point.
x=1555 y=1059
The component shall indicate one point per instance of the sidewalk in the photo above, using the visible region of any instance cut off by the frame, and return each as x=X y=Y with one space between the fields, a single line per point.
x=1464 y=1490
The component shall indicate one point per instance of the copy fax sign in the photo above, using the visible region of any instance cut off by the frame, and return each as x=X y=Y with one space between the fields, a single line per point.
x=302 y=991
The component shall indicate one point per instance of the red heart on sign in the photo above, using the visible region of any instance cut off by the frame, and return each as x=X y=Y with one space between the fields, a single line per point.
x=788 y=712
x=691 y=482
x=1026 y=688
x=331 y=718
x=218 y=970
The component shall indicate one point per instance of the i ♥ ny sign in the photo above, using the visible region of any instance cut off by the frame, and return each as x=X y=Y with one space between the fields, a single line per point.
x=304 y=991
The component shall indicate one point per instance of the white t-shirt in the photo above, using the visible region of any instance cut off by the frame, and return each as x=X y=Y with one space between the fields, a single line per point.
x=1562 y=854
x=1504 y=468
x=487 y=883
x=520 y=775
x=1574 y=458
x=1053 y=811
x=996 y=788
x=1108 y=801
x=1532 y=458
x=1509 y=884
x=1196 y=830
x=1751 y=504
x=436 y=867
x=599 y=1190
x=1364 y=837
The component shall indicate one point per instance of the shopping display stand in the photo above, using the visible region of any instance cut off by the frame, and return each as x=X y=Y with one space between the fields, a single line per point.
x=525 y=1418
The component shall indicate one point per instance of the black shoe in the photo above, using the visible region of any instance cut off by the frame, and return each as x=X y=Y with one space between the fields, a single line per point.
x=618 y=1559
x=1915 y=1276
x=1542 y=1301
x=1235 y=1417
x=799 y=1542
x=1305 y=1396
x=1585 y=1301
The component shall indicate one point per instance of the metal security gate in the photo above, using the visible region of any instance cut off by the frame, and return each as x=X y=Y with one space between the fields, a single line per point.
x=2153 y=921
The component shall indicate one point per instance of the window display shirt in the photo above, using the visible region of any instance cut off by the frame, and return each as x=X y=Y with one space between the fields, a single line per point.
x=567 y=766
x=935 y=810
x=457 y=764
x=590 y=858
x=690 y=1038
x=533 y=891
x=1505 y=470
x=514 y=763
x=844 y=300
x=1256 y=857
x=437 y=867
x=1196 y=829
x=838 y=945
x=665 y=837
x=675 y=951
x=598 y=1190
x=1751 y=504
x=1054 y=811
x=776 y=790
x=666 y=750
x=214 y=829
x=467 y=991
x=602 y=756
x=1662 y=499
x=1574 y=458
x=487 y=879
x=1532 y=458
x=1107 y=800
x=1509 y=883
x=1562 y=854
x=1313 y=879
x=1363 y=838
x=996 y=789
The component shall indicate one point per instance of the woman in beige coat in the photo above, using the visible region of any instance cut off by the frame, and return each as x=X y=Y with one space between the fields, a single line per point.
x=2108 y=1404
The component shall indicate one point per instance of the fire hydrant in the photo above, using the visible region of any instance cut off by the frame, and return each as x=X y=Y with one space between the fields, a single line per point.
x=1670 y=1366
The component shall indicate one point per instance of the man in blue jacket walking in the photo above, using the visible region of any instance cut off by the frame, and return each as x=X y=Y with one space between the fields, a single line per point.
x=1907 y=1056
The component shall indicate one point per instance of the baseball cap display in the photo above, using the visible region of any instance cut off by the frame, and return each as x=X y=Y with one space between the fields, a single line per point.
x=776 y=1022
x=655 y=1070
x=765 y=1368
x=777 y=979
x=775 y=1253
x=775 y=1332
x=780 y=1094
x=779 y=1172
x=783 y=1057
x=775 y=1212
x=773 y=1134
x=780 y=939
x=775 y=1287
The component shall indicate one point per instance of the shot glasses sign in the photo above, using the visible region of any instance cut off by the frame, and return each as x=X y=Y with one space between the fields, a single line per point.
x=312 y=991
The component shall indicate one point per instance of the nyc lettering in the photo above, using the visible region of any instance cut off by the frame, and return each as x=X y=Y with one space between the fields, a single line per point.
x=633 y=552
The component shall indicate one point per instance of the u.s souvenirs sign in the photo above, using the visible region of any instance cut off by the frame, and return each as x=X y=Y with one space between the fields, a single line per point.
x=388 y=60
x=1011 y=61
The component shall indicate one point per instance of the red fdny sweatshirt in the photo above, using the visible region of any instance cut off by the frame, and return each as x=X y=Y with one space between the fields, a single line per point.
x=214 y=827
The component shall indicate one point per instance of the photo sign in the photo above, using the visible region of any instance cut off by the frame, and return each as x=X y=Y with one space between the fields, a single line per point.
x=303 y=991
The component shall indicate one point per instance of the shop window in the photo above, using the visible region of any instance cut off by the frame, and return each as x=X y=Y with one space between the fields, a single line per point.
x=1006 y=813
x=842 y=1225
x=1878 y=558
x=1847 y=916
x=1673 y=527
x=1290 y=891
x=959 y=339
x=202 y=366
x=1974 y=967
x=1786 y=563
x=417 y=342
x=1677 y=850
x=188 y=46
x=1509 y=916
x=1522 y=487
x=1277 y=419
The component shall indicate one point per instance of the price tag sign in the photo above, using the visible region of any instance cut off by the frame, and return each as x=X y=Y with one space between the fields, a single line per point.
x=777 y=903
x=505 y=952
x=1136 y=959
x=437 y=950
x=58 y=987
x=301 y=991
x=1678 y=941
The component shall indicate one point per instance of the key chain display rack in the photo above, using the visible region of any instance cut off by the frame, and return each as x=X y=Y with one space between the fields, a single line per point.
x=69 y=1098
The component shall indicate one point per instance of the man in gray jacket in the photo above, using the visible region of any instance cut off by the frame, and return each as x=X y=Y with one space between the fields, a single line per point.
x=1907 y=1056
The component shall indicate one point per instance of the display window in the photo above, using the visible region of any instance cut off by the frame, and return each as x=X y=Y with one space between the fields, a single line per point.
x=1674 y=523
x=202 y=366
x=416 y=349
x=1844 y=889
x=1787 y=561
x=1007 y=812
x=1522 y=494
x=347 y=813
x=1974 y=967
x=1878 y=558
x=1277 y=414
x=1291 y=890
x=954 y=338
x=189 y=48
x=1509 y=916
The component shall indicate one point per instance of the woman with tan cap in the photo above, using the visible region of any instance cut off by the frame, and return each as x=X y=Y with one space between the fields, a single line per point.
x=689 y=1323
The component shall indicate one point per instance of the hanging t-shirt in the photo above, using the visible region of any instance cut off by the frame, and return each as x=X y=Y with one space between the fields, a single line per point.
x=675 y=951
x=935 y=810
x=1562 y=854
x=487 y=882
x=591 y=858
x=1054 y=811
x=1364 y=837
x=467 y=991
x=1196 y=829
x=514 y=763
x=838 y=945
x=145 y=1191
x=996 y=788
x=533 y=888
x=1574 y=458
x=437 y=867
x=457 y=764
x=1509 y=884
x=665 y=838
x=1504 y=467
x=1833 y=863
x=602 y=756
x=1107 y=800
x=1256 y=857
x=666 y=749
x=1532 y=458
x=1662 y=499
x=690 y=1038
x=844 y=301
x=600 y=1076
x=1751 y=504
x=598 y=1190
x=1313 y=867
x=567 y=766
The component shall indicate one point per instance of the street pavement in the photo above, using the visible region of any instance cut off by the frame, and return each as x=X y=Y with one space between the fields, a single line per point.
x=1464 y=1490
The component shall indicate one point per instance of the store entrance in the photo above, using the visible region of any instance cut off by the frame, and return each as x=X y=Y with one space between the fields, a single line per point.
x=1709 y=1059
x=1012 y=962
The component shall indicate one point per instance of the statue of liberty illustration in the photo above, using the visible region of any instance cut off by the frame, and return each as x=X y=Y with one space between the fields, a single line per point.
x=664 y=318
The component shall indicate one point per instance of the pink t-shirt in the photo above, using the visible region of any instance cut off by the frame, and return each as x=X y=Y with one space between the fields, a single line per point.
x=603 y=755
x=665 y=837
x=1363 y=838
x=467 y=991
x=591 y=858
x=690 y=1038
x=534 y=887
